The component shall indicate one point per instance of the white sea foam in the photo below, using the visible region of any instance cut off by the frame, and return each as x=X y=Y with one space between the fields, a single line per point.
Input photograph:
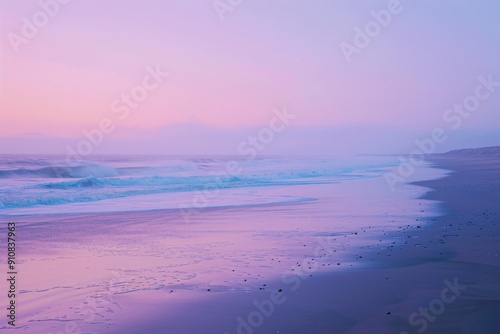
x=111 y=183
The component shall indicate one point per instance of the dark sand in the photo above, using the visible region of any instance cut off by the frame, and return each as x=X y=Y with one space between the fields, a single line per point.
x=407 y=279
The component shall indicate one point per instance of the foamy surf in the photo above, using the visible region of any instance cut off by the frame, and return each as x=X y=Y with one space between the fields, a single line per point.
x=131 y=183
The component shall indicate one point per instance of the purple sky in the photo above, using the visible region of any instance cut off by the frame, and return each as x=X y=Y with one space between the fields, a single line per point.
x=225 y=77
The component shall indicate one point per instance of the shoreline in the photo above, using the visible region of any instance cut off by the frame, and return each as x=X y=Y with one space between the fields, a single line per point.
x=380 y=285
x=442 y=277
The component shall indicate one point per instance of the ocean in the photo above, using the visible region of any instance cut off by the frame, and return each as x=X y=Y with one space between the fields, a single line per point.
x=50 y=185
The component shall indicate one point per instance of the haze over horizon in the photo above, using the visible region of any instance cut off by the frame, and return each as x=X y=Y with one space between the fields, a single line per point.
x=228 y=77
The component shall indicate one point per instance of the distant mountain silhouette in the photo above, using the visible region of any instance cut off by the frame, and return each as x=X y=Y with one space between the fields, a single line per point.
x=493 y=151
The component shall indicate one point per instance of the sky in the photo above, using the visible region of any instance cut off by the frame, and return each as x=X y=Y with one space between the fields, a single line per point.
x=203 y=76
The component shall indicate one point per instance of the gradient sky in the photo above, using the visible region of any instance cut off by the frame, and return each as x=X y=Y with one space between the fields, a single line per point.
x=225 y=77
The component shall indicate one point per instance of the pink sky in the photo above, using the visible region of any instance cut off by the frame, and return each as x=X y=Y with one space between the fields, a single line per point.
x=225 y=77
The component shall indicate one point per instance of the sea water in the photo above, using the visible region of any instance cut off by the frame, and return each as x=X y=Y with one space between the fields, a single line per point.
x=50 y=185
